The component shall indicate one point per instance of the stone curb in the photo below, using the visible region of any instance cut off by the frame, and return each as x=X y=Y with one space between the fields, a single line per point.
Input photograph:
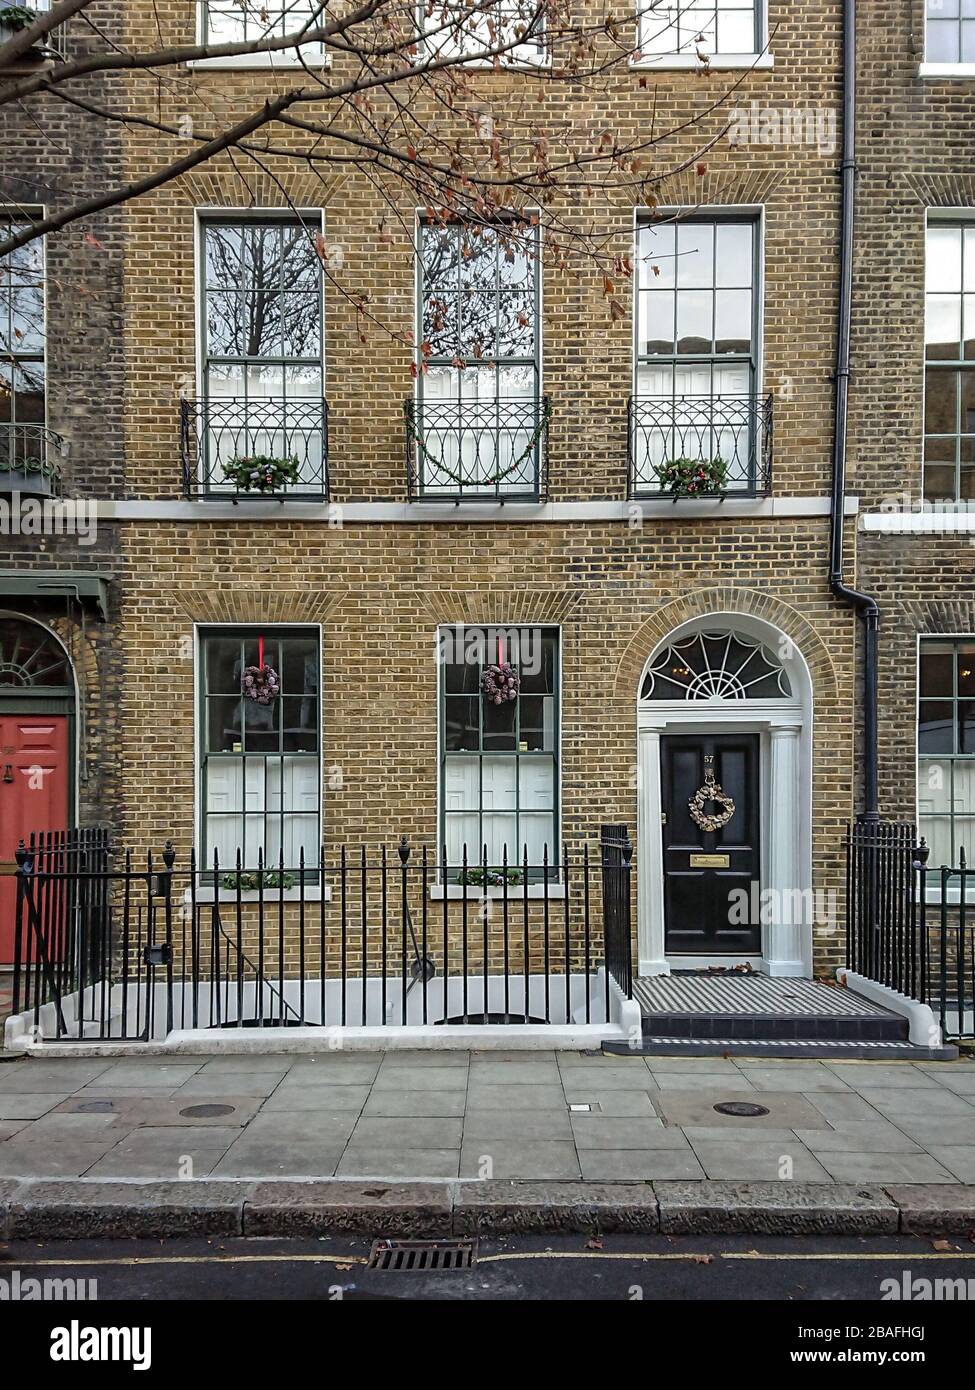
x=90 y=1208
x=775 y=1208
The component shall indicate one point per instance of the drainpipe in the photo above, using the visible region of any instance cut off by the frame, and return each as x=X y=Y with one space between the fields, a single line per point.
x=865 y=604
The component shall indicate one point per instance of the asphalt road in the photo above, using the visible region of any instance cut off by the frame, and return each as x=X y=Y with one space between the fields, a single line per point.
x=618 y=1268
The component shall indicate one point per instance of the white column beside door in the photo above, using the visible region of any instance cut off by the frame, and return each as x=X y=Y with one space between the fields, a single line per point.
x=782 y=931
x=650 y=880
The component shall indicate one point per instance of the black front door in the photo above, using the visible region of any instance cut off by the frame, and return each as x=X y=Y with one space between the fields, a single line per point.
x=711 y=846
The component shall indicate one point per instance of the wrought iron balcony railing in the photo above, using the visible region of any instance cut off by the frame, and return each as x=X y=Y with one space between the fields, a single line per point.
x=492 y=450
x=700 y=446
x=238 y=449
x=30 y=459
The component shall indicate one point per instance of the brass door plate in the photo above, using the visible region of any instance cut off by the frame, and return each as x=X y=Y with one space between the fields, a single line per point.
x=710 y=861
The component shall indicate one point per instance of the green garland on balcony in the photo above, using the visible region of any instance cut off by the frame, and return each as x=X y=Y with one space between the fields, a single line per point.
x=692 y=477
x=545 y=414
x=17 y=17
x=261 y=472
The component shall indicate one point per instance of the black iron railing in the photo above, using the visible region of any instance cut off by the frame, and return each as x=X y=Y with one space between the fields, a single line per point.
x=108 y=947
x=699 y=446
x=62 y=931
x=911 y=927
x=492 y=450
x=881 y=904
x=255 y=449
x=947 y=914
x=30 y=459
x=617 y=853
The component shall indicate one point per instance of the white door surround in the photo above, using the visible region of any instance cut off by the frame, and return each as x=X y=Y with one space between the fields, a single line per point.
x=785 y=728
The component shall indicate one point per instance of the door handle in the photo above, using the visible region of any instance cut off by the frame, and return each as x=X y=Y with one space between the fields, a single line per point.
x=8 y=772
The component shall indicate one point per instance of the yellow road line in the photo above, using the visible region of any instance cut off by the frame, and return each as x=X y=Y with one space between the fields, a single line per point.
x=646 y=1256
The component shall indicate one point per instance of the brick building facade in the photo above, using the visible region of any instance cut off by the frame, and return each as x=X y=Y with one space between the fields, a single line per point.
x=625 y=586
x=916 y=192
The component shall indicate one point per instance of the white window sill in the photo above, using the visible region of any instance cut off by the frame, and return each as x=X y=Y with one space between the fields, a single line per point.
x=944 y=518
x=963 y=72
x=314 y=893
x=717 y=62
x=516 y=892
x=257 y=61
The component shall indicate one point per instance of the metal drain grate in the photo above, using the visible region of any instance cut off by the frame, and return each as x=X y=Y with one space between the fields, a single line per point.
x=412 y=1255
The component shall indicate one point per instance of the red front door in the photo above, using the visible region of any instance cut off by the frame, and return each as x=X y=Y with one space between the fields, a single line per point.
x=33 y=797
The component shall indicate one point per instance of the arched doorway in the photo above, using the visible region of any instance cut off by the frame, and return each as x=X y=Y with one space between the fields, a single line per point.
x=37 y=709
x=724 y=727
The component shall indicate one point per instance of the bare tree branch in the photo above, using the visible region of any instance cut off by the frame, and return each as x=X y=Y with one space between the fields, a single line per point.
x=43 y=227
x=179 y=54
x=25 y=39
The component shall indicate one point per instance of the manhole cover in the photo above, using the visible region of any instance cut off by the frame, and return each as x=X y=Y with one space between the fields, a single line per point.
x=93 y=1107
x=206 y=1112
x=744 y=1109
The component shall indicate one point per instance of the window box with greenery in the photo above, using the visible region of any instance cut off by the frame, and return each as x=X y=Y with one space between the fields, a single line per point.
x=684 y=477
x=499 y=763
x=260 y=774
x=15 y=17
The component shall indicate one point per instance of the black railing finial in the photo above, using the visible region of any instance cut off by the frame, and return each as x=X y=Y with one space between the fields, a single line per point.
x=404 y=850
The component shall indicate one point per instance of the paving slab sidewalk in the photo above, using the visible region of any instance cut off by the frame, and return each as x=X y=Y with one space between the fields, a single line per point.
x=553 y=1136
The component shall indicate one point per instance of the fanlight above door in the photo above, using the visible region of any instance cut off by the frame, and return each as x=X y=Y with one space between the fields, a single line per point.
x=716 y=666
x=30 y=656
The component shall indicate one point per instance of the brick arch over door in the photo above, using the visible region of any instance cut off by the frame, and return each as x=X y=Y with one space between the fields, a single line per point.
x=726 y=600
